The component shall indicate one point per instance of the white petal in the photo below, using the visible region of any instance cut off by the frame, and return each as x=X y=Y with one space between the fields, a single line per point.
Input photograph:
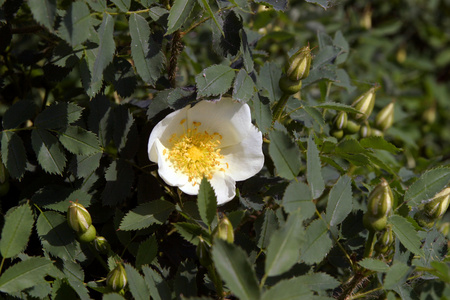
x=189 y=188
x=228 y=118
x=164 y=130
x=246 y=158
x=224 y=186
x=166 y=169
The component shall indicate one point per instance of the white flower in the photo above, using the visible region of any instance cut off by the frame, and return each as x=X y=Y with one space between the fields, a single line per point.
x=212 y=139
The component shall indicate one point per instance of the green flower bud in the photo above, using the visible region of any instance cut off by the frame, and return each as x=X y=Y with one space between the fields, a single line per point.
x=101 y=245
x=365 y=131
x=340 y=122
x=352 y=127
x=429 y=115
x=364 y=104
x=339 y=134
x=288 y=86
x=225 y=230
x=88 y=236
x=299 y=64
x=117 y=278
x=438 y=206
x=385 y=118
x=78 y=217
x=423 y=220
x=203 y=253
x=374 y=223
x=380 y=200
x=376 y=132
x=385 y=241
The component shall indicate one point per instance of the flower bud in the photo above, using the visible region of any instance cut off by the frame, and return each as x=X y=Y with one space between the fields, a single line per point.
x=385 y=241
x=352 y=127
x=288 y=86
x=438 y=206
x=364 y=104
x=429 y=115
x=339 y=134
x=376 y=132
x=225 y=230
x=374 y=223
x=340 y=122
x=101 y=245
x=299 y=64
x=117 y=278
x=380 y=200
x=385 y=118
x=78 y=217
x=365 y=131
x=203 y=253
x=88 y=236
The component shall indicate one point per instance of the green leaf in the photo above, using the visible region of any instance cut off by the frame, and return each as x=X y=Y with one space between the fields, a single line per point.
x=16 y=230
x=154 y=212
x=269 y=76
x=262 y=114
x=441 y=270
x=214 y=80
x=75 y=277
x=288 y=290
x=119 y=181
x=57 y=197
x=427 y=186
x=230 y=42
x=283 y=249
x=340 y=41
x=405 y=232
x=100 y=120
x=265 y=226
x=185 y=282
x=56 y=236
x=148 y=59
x=136 y=283
x=79 y=141
x=324 y=3
x=18 y=113
x=86 y=68
x=112 y=296
x=314 y=169
x=374 y=264
x=123 y=122
x=340 y=202
x=76 y=24
x=235 y=269
x=207 y=203
x=123 y=5
x=350 y=145
x=14 y=156
x=318 y=281
x=106 y=47
x=298 y=196
x=147 y=252
x=378 y=142
x=205 y=5
x=246 y=52
x=121 y=74
x=58 y=115
x=315 y=114
x=25 y=274
x=285 y=154
x=44 y=12
x=82 y=166
x=244 y=88
x=190 y=231
x=179 y=13
x=337 y=106
x=275 y=4
x=396 y=275
x=318 y=242
x=48 y=151
x=159 y=290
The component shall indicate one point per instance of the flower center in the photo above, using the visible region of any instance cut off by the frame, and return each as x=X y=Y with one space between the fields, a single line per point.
x=195 y=154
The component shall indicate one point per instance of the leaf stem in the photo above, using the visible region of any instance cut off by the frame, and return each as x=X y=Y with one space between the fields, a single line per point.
x=1 y=265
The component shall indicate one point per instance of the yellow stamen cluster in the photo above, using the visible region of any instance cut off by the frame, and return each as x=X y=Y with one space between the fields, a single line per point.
x=195 y=154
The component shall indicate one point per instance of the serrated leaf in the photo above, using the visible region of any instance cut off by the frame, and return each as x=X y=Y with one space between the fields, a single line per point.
x=314 y=169
x=235 y=269
x=79 y=141
x=76 y=24
x=350 y=145
x=427 y=186
x=246 y=52
x=396 y=275
x=340 y=202
x=378 y=142
x=112 y=296
x=340 y=41
x=123 y=122
x=86 y=67
x=136 y=283
x=374 y=264
x=57 y=197
x=18 y=113
x=185 y=282
x=14 y=156
x=44 y=12
x=106 y=47
x=147 y=252
x=405 y=232
x=146 y=54
x=25 y=274
x=288 y=290
x=441 y=270
x=315 y=114
x=318 y=242
x=230 y=41
x=159 y=290
x=100 y=119
x=154 y=212
x=268 y=79
x=48 y=151
x=16 y=230
x=324 y=3
x=75 y=277
x=121 y=74
x=337 y=106
x=82 y=166
x=262 y=113
x=244 y=88
x=214 y=80
x=275 y=4
x=298 y=196
x=58 y=115
x=285 y=154
x=56 y=236
x=283 y=249
x=207 y=203
x=205 y=5
x=318 y=281
x=123 y=5
x=119 y=181
x=190 y=231
x=179 y=13
x=265 y=226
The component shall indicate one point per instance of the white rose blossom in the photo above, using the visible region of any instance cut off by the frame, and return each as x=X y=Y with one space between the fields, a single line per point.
x=212 y=139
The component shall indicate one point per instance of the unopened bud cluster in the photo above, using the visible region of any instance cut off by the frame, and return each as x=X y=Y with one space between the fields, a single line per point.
x=385 y=242
x=433 y=210
x=297 y=68
x=379 y=207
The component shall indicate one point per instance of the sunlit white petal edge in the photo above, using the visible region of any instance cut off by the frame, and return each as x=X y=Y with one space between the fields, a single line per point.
x=212 y=139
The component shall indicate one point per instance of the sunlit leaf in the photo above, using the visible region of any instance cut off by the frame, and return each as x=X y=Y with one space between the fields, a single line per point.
x=48 y=151
x=314 y=169
x=79 y=141
x=428 y=185
x=285 y=154
x=318 y=242
x=147 y=214
x=207 y=203
x=76 y=24
x=179 y=13
x=405 y=232
x=214 y=80
x=340 y=201
x=136 y=283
